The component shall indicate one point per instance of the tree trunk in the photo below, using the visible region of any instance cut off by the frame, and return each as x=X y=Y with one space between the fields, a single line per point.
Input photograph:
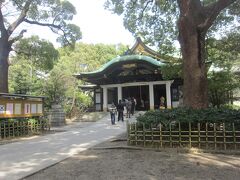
x=4 y=65
x=192 y=41
x=194 y=21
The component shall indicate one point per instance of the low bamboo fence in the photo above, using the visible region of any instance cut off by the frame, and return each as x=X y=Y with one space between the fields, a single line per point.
x=201 y=135
x=15 y=129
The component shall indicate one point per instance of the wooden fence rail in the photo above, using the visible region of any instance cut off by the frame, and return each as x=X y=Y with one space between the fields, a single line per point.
x=22 y=128
x=201 y=135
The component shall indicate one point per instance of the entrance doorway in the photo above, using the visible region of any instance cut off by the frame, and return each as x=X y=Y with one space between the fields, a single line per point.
x=141 y=94
x=112 y=95
x=159 y=91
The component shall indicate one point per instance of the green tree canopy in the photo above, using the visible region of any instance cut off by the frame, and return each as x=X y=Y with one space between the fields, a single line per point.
x=33 y=59
x=163 y=22
x=54 y=14
x=38 y=52
x=156 y=20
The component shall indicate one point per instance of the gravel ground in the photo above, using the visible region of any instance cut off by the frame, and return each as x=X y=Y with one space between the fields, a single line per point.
x=102 y=163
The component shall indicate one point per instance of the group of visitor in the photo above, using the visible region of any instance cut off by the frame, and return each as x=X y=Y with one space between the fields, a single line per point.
x=128 y=105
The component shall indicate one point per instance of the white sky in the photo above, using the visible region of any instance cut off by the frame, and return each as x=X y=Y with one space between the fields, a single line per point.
x=97 y=25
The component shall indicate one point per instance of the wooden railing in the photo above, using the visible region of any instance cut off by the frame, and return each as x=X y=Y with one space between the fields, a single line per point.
x=22 y=128
x=201 y=135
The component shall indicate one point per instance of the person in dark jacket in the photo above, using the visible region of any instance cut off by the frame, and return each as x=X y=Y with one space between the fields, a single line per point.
x=133 y=106
x=120 y=109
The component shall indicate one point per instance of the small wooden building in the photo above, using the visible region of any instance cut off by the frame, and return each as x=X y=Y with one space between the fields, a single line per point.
x=20 y=106
x=136 y=74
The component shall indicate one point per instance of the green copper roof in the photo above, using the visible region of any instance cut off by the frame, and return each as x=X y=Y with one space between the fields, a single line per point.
x=124 y=59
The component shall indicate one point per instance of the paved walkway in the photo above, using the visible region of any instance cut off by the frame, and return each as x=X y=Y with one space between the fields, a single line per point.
x=20 y=159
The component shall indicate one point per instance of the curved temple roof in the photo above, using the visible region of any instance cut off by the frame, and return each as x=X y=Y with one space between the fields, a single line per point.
x=124 y=60
x=125 y=68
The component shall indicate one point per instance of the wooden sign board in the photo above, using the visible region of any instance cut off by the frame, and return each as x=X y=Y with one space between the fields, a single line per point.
x=15 y=105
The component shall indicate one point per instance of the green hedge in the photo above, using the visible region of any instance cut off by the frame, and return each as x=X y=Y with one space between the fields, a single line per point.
x=211 y=115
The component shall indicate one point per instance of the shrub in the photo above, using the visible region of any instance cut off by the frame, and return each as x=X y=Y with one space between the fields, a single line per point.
x=211 y=115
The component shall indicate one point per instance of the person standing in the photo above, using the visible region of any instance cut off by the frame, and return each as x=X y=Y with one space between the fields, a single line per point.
x=142 y=105
x=120 y=109
x=135 y=103
x=133 y=106
x=129 y=107
x=112 y=111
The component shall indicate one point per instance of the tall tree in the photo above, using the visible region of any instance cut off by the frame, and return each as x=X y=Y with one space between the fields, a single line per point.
x=223 y=79
x=32 y=60
x=84 y=57
x=38 y=52
x=162 y=21
x=54 y=14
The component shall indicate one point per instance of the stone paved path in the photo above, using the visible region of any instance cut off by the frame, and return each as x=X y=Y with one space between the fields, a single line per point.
x=23 y=158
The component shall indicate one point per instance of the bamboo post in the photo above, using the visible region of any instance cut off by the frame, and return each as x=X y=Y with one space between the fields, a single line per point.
x=28 y=126
x=9 y=129
x=180 y=133
x=234 y=136
x=199 y=136
x=18 y=129
x=22 y=130
x=4 y=130
x=13 y=129
x=37 y=126
x=207 y=135
x=160 y=128
x=224 y=137
x=170 y=133
x=16 y=126
x=0 y=130
x=190 y=140
x=215 y=138
x=144 y=135
x=135 y=129
x=32 y=128
x=152 y=135
x=128 y=131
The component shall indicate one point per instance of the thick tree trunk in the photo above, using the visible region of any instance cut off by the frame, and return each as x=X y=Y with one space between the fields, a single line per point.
x=194 y=73
x=4 y=65
x=194 y=21
x=192 y=40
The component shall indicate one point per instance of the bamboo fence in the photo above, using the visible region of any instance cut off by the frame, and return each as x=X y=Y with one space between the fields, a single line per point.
x=201 y=135
x=14 y=129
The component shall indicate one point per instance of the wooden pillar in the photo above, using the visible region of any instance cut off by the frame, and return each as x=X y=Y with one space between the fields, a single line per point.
x=168 y=94
x=151 y=96
x=119 y=92
x=105 y=100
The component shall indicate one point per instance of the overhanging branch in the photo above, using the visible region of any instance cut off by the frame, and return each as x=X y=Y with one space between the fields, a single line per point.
x=17 y=37
x=213 y=10
x=51 y=26
x=43 y=24
x=20 y=19
x=144 y=8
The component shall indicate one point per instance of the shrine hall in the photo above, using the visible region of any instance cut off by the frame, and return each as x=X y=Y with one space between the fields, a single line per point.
x=136 y=74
